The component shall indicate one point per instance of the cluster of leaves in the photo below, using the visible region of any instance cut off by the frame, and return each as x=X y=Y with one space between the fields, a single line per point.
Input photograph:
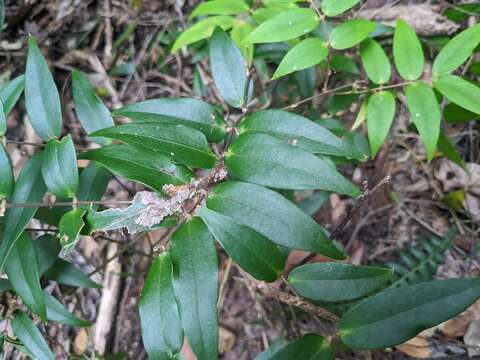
x=264 y=152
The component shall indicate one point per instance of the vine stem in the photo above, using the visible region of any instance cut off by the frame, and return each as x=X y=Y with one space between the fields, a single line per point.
x=67 y=203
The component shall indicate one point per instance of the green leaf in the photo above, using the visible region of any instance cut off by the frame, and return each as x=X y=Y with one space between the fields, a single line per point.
x=65 y=273
x=276 y=345
x=185 y=145
x=452 y=113
x=290 y=126
x=41 y=95
x=69 y=229
x=459 y=91
x=229 y=71
x=59 y=167
x=306 y=53
x=449 y=150
x=337 y=7
x=249 y=249
x=91 y=111
x=46 y=249
x=287 y=25
x=271 y=215
x=220 y=7
x=394 y=316
x=162 y=332
x=24 y=328
x=93 y=183
x=457 y=51
x=195 y=280
x=151 y=169
x=331 y=282
x=6 y=174
x=306 y=347
x=57 y=312
x=375 y=61
x=3 y=120
x=239 y=32
x=10 y=93
x=178 y=111
x=380 y=115
x=202 y=30
x=265 y=160
x=22 y=272
x=350 y=33
x=425 y=114
x=29 y=188
x=407 y=51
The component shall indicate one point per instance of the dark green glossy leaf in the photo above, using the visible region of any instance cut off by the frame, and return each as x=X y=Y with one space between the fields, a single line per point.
x=287 y=25
x=135 y=164
x=337 y=7
x=249 y=249
x=57 y=312
x=220 y=7
x=29 y=188
x=457 y=51
x=449 y=150
x=459 y=91
x=276 y=345
x=10 y=93
x=307 y=347
x=65 y=273
x=380 y=115
x=229 y=71
x=195 y=280
x=59 y=167
x=25 y=329
x=69 y=228
x=265 y=160
x=407 y=51
x=396 y=315
x=375 y=61
x=331 y=282
x=93 y=183
x=425 y=114
x=271 y=215
x=453 y=113
x=41 y=95
x=47 y=248
x=350 y=33
x=178 y=111
x=306 y=53
x=290 y=126
x=22 y=272
x=162 y=332
x=6 y=174
x=185 y=145
x=91 y=111
x=3 y=120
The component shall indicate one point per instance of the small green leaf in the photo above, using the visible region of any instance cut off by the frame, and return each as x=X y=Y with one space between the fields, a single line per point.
x=29 y=188
x=220 y=7
x=202 y=30
x=457 y=51
x=59 y=167
x=91 y=111
x=149 y=168
x=6 y=174
x=239 y=32
x=41 y=95
x=449 y=150
x=396 y=315
x=459 y=91
x=183 y=144
x=265 y=160
x=452 y=113
x=287 y=25
x=276 y=345
x=178 y=111
x=195 y=280
x=249 y=249
x=69 y=228
x=306 y=53
x=229 y=71
x=290 y=126
x=380 y=115
x=46 y=249
x=375 y=61
x=306 y=347
x=361 y=115
x=25 y=329
x=22 y=272
x=65 y=273
x=331 y=282
x=162 y=332
x=3 y=120
x=350 y=33
x=337 y=7
x=57 y=312
x=271 y=215
x=425 y=114
x=407 y=51
x=10 y=93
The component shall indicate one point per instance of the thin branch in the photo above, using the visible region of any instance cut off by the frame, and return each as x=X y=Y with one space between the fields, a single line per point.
x=68 y=203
